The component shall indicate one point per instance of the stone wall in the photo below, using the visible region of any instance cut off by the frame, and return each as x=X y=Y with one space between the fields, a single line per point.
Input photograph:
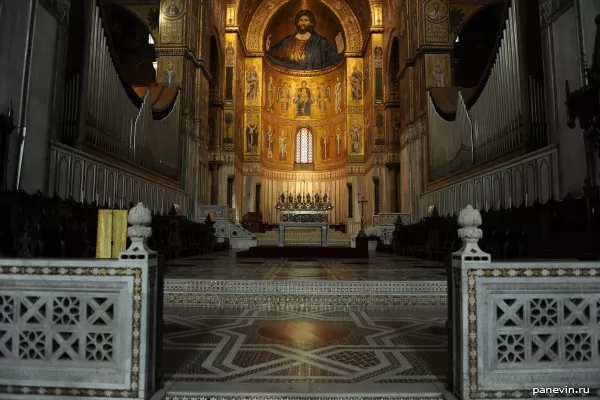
x=30 y=63
x=568 y=31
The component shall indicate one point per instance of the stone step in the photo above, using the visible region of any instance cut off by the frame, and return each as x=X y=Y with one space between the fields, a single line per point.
x=297 y=231
x=303 y=236
x=302 y=293
x=305 y=391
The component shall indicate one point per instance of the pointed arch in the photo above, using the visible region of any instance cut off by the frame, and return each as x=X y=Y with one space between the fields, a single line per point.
x=393 y=69
x=215 y=68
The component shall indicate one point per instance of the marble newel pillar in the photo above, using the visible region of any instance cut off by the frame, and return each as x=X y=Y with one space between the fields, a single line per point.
x=469 y=221
x=394 y=169
x=214 y=185
x=139 y=257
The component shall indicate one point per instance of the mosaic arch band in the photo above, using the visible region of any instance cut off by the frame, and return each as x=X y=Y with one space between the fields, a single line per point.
x=305 y=49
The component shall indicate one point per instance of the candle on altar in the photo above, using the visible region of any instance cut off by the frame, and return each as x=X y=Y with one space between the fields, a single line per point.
x=526 y=204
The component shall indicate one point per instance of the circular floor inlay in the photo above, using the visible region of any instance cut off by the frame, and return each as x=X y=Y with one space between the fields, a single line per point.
x=303 y=332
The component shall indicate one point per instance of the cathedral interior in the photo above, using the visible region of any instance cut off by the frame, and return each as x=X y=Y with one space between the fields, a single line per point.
x=298 y=177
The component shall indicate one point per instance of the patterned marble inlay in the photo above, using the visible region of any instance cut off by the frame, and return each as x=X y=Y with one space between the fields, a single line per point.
x=186 y=397
x=379 y=281
x=329 y=345
x=536 y=327
x=40 y=325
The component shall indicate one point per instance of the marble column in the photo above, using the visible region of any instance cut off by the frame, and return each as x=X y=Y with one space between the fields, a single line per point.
x=394 y=169
x=214 y=186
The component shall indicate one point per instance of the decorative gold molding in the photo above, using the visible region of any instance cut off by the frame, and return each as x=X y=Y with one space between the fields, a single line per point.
x=302 y=73
x=296 y=175
x=354 y=170
x=356 y=159
x=294 y=122
x=251 y=158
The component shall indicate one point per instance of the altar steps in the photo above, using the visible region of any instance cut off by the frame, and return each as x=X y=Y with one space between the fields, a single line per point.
x=191 y=391
x=303 y=252
x=303 y=236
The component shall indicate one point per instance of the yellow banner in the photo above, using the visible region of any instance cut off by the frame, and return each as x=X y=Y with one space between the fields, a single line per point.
x=119 y=232
x=104 y=236
x=112 y=233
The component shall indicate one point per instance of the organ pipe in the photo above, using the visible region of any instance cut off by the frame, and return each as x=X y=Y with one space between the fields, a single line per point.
x=113 y=122
x=493 y=125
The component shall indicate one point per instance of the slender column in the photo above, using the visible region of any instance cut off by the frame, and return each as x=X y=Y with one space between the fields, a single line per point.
x=394 y=169
x=214 y=187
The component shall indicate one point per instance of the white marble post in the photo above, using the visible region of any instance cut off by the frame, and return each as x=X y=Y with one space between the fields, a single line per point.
x=469 y=221
x=140 y=255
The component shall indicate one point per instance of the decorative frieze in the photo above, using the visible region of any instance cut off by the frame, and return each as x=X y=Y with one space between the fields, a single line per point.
x=296 y=175
x=314 y=293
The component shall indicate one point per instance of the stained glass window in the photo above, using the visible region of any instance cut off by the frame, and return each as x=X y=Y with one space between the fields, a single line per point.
x=304 y=147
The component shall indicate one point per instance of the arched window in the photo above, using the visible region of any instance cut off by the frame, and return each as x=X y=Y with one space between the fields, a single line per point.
x=304 y=147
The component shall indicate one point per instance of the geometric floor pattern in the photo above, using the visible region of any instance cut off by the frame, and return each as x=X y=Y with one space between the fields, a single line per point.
x=309 y=329
x=224 y=266
x=328 y=345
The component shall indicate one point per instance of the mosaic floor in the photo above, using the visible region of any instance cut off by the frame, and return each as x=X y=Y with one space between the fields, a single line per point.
x=224 y=266
x=305 y=346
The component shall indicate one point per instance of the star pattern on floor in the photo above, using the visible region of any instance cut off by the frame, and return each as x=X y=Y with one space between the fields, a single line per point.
x=329 y=345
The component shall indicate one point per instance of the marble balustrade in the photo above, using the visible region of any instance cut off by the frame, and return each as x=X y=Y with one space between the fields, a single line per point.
x=80 y=328
x=520 y=326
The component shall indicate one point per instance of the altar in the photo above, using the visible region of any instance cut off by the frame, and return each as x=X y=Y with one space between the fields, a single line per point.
x=303 y=211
